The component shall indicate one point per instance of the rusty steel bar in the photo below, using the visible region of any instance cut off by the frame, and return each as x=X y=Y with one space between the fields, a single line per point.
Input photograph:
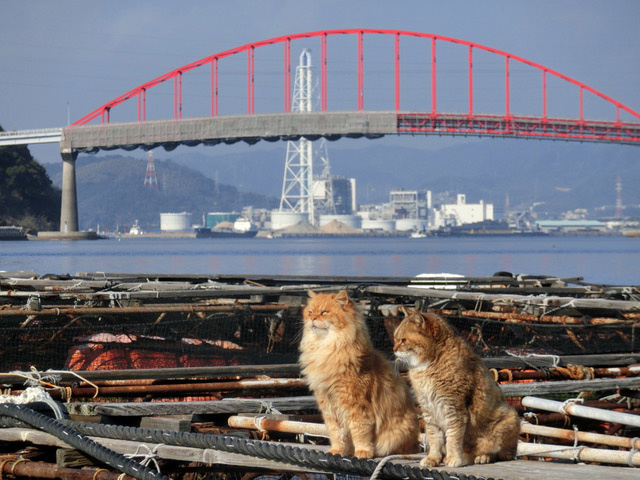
x=182 y=308
x=508 y=375
x=27 y=468
x=176 y=389
x=590 y=437
x=273 y=425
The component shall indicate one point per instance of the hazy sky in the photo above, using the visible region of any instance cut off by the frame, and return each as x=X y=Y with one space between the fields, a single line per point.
x=67 y=57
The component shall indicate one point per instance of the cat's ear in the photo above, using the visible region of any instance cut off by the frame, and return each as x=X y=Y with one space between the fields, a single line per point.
x=418 y=318
x=342 y=298
x=404 y=310
x=311 y=293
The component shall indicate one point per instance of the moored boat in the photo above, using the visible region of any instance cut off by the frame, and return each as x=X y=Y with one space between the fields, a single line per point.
x=12 y=233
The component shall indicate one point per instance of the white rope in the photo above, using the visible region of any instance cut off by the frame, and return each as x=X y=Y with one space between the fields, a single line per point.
x=269 y=409
x=148 y=457
x=633 y=451
x=570 y=401
x=388 y=458
x=29 y=395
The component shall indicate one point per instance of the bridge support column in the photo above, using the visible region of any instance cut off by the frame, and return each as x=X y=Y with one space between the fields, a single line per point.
x=69 y=207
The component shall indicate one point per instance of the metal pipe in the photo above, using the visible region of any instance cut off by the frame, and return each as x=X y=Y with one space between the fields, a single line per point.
x=580 y=453
x=270 y=424
x=571 y=408
x=614 y=441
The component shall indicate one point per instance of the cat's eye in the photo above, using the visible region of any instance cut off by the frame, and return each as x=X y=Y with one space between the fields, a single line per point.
x=325 y=312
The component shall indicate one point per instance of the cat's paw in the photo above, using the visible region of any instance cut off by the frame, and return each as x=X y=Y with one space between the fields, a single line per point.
x=482 y=459
x=362 y=453
x=338 y=451
x=453 y=462
x=430 y=461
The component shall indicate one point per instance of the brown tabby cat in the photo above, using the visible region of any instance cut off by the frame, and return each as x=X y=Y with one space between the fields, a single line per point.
x=466 y=417
x=365 y=404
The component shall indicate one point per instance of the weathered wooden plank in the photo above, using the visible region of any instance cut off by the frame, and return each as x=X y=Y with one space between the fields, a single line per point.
x=512 y=470
x=168 y=373
x=533 y=470
x=70 y=457
x=168 y=452
x=525 y=361
x=174 y=424
x=540 y=300
x=227 y=405
x=569 y=386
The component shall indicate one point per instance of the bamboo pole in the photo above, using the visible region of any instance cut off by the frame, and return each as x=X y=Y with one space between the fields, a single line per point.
x=611 y=440
x=272 y=425
x=579 y=453
x=572 y=408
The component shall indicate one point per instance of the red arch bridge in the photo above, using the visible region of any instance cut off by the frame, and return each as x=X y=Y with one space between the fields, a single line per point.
x=371 y=83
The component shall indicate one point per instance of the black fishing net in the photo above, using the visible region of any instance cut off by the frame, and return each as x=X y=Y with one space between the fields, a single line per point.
x=243 y=336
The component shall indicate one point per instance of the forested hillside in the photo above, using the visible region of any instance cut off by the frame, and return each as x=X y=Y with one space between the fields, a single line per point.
x=27 y=196
x=111 y=192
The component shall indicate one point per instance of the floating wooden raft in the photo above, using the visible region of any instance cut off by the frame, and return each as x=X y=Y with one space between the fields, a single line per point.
x=229 y=346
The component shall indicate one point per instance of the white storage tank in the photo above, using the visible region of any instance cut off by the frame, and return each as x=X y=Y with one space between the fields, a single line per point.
x=173 y=222
x=286 y=219
x=409 y=224
x=383 y=225
x=353 y=221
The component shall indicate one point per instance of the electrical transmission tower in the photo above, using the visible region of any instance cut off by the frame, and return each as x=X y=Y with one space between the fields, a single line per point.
x=303 y=190
x=150 y=179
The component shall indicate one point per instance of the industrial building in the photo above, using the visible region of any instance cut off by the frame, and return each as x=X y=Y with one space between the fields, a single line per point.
x=459 y=213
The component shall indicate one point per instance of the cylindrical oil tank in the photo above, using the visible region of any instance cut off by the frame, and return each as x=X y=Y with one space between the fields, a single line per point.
x=353 y=221
x=286 y=219
x=172 y=222
x=407 y=224
x=383 y=225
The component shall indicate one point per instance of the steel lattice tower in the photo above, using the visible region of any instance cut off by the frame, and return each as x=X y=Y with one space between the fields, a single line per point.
x=303 y=191
x=619 y=206
x=150 y=178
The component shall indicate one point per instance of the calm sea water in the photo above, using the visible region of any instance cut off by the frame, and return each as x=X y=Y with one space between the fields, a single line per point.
x=599 y=259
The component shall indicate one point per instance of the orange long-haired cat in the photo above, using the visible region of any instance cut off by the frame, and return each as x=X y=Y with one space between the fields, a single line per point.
x=465 y=414
x=366 y=405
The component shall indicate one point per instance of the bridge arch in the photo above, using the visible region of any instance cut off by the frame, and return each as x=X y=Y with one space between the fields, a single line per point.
x=251 y=50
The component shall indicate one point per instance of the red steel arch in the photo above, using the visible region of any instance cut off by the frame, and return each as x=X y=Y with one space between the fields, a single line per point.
x=434 y=121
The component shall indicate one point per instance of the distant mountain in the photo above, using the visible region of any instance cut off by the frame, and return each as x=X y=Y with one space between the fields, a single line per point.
x=560 y=175
x=557 y=176
x=27 y=197
x=111 y=192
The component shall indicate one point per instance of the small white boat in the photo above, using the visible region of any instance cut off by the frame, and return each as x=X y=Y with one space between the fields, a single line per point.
x=419 y=234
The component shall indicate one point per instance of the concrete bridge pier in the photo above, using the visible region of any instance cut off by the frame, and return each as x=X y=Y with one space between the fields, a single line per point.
x=69 y=207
